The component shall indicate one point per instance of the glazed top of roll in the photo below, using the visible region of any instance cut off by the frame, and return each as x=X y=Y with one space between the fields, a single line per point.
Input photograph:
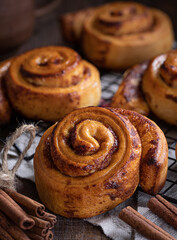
x=45 y=77
x=94 y=158
x=46 y=67
x=126 y=20
x=82 y=146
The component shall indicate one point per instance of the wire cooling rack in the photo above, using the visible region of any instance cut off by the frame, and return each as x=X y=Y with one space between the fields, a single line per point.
x=110 y=82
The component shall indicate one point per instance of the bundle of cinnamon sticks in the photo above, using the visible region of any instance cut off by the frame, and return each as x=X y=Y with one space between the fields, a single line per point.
x=22 y=218
x=162 y=208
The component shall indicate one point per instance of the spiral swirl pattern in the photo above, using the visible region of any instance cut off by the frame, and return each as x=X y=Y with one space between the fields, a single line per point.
x=124 y=18
x=120 y=34
x=91 y=145
x=47 y=67
x=89 y=161
x=151 y=86
x=86 y=139
x=48 y=82
x=160 y=86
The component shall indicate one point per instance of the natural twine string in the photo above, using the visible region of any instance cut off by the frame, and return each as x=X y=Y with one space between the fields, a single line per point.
x=7 y=176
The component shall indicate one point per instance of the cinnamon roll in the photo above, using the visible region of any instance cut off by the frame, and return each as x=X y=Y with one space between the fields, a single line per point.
x=49 y=82
x=120 y=34
x=160 y=86
x=151 y=86
x=91 y=160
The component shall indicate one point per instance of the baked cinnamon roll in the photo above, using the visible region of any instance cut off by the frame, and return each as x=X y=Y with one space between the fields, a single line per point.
x=91 y=160
x=49 y=82
x=160 y=86
x=120 y=34
x=151 y=86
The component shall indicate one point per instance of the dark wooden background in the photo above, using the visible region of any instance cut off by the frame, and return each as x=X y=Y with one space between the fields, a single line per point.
x=47 y=32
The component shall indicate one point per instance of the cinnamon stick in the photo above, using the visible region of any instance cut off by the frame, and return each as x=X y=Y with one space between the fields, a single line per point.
x=14 y=211
x=39 y=222
x=14 y=231
x=34 y=236
x=168 y=204
x=4 y=235
x=31 y=206
x=40 y=231
x=43 y=221
x=49 y=236
x=50 y=218
x=165 y=210
x=143 y=225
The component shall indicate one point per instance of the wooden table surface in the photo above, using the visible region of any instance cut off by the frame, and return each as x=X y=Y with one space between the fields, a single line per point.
x=47 y=32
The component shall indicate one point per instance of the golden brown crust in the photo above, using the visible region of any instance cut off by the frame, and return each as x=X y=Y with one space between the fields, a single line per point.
x=89 y=162
x=5 y=108
x=103 y=178
x=49 y=82
x=129 y=94
x=154 y=159
x=121 y=51
x=159 y=86
x=120 y=34
x=151 y=86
